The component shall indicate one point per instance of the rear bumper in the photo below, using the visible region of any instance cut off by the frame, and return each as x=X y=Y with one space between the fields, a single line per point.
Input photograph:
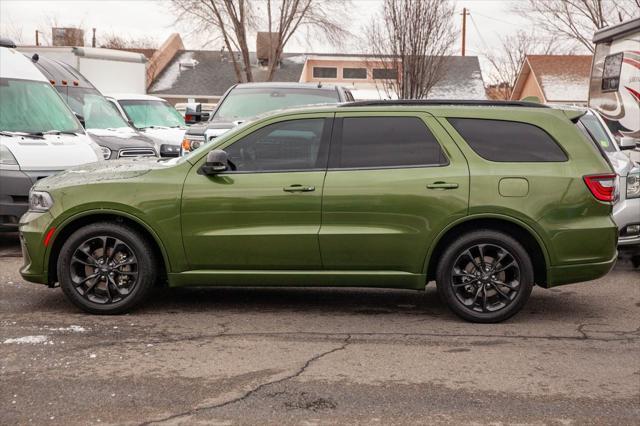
x=568 y=274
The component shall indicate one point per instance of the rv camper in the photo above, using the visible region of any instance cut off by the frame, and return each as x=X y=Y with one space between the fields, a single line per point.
x=614 y=90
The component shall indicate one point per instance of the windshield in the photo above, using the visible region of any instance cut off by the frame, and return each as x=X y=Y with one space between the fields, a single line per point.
x=33 y=107
x=98 y=112
x=242 y=103
x=150 y=113
x=598 y=132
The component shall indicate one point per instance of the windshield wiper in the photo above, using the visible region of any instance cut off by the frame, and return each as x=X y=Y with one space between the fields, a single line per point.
x=35 y=135
x=59 y=132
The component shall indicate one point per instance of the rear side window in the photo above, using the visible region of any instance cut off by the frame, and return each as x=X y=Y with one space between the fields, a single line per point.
x=508 y=141
x=379 y=142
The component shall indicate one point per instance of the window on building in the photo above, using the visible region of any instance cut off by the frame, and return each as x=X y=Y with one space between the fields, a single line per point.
x=385 y=73
x=354 y=73
x=325 y=72
x=508 y=141
x=380 y=142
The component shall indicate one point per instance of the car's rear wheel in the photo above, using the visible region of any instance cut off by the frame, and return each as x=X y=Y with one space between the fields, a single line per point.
x=107 y=268
x=485 y=276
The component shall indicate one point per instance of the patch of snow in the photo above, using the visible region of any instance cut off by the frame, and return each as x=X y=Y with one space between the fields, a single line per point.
x=27 y=339
x=298 y=59
x=565 y=87
x=74 y=328
x=171 y=74
x=122 y=132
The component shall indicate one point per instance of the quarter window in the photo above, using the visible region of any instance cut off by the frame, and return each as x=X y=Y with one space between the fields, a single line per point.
x=325 y=72
x=288 y=145
x=508 y=141
x=379 y=142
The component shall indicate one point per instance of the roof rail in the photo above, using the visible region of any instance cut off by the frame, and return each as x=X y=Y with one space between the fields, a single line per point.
x=399 y=102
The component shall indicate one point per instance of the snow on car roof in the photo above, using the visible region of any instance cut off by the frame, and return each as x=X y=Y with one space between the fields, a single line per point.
x=133 y=97
x=14 y=64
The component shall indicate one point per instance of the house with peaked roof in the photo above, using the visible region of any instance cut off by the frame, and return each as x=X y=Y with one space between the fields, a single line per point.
x=177 y=74
x=554 y=79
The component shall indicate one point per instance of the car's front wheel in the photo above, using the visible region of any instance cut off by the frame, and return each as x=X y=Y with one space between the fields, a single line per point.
x=106 y=268
x=485 y=276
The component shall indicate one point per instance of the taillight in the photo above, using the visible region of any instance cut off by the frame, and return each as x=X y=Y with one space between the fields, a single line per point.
x=603 y=187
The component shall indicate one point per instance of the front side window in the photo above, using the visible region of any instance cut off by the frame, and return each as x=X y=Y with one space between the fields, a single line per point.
x=33 y=107
x=285 y=146
x=98 y=112
x=611 y=72
x=151 y=113
x=508 y=141
x=380 y=142
x=242 y=103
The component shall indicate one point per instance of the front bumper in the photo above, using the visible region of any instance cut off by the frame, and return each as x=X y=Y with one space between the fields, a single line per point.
x=14 y=195
x=33 y=228
x=627 y=212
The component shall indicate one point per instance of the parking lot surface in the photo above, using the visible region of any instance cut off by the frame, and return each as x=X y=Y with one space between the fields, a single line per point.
x=319 y=356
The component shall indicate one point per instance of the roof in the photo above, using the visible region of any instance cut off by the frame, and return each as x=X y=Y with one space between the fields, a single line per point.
x=133 y=97
x=57 y=71
x=284 y=85
x=14 y=64
x=614 y=32
x=561 y=78
x=199 y=73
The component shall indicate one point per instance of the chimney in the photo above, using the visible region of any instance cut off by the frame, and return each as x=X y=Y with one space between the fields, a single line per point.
x=265 y=42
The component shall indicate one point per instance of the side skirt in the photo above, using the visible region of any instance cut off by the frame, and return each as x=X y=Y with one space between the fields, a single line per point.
x=269 y=278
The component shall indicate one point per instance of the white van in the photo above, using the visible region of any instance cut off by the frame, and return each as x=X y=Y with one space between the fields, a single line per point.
x=39 y=135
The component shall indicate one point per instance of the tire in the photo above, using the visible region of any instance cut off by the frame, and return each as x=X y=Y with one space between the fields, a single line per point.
x=491 y=295
x=112 y=281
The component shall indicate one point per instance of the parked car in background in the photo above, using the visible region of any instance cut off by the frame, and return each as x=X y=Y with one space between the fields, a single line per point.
x=102 y=121
x=244 y=101
x=39 y=135
x=614 y=89
x=155 y=117
x=486 y=198
x=626 y=210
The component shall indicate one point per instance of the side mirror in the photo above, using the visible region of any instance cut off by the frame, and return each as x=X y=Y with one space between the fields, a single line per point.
x=627 y=142
x=80 y=119
x=216 y=162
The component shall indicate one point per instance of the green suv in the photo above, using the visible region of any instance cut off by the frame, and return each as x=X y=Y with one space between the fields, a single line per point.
x=485 y=198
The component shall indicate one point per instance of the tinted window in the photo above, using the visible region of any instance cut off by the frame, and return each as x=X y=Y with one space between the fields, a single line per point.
x=354 y=73
x=324 y=72
x=386 y=142
x=288 y=145
x=508 y=141
x=385 y=73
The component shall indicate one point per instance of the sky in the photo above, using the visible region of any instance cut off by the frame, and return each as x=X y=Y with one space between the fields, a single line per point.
x=489 y=20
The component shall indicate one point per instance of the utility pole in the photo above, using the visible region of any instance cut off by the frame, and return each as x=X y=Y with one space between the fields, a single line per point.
x=37 y=39
x=464 y=14
x=93 y=39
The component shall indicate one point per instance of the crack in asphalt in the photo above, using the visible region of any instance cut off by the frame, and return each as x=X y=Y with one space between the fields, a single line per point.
x=252 y=391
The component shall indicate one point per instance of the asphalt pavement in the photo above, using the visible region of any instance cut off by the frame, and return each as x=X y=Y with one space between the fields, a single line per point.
x=319 y=356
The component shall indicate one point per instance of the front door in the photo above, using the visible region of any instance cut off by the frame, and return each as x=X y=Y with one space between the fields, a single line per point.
x=394 y=181
x=265 y=214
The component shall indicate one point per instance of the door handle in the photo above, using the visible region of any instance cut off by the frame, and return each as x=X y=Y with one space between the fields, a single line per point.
x=442 y=185
x=299 y=188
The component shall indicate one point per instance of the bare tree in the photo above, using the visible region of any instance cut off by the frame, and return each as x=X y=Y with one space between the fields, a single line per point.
x=233 y=20
x=577 y=19
x=411 y=40
x=119 y=41
x=507 y=60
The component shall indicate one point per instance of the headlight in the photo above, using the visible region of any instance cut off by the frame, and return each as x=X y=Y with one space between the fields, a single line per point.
x=633 y=185
x=192 y=142
x=106 y=152
x=6 y=157
x=167 y=150
x=40 y=201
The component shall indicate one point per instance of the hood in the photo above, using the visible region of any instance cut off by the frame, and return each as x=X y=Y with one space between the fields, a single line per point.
x=52 y=152
x=100 y=172
x=164 y=135
x=116 y=139
x=214 y=127
x=621 y=163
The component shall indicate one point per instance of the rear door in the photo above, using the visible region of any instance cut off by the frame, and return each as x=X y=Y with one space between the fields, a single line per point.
x=394 y=182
